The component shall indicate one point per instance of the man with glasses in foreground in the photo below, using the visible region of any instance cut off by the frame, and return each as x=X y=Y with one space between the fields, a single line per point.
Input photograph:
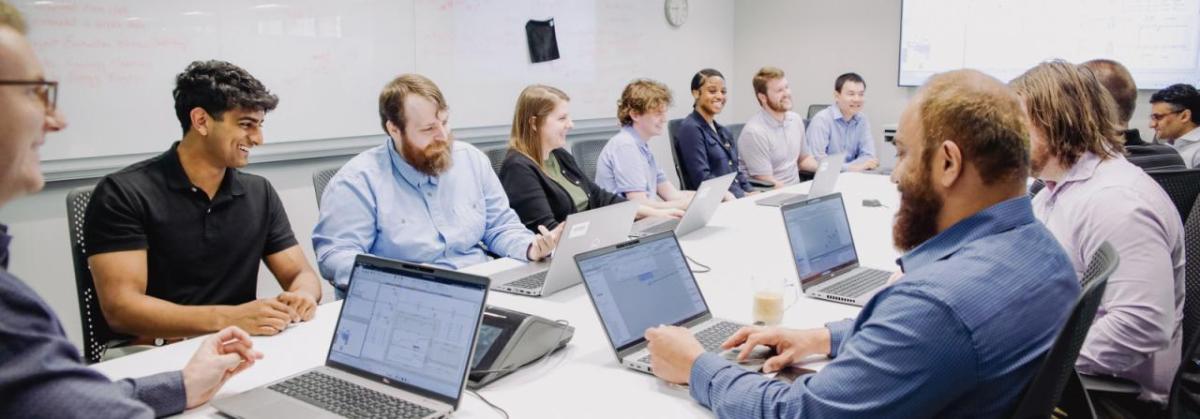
x=41 y=373
x=1175 y=118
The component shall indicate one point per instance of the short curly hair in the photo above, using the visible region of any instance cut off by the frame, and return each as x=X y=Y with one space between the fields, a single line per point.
x=641 y=96
x=218 y=86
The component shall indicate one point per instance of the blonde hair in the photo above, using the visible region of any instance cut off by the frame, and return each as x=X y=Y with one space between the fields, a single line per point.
x=764 y=76
x=11 y=17
x=641 y=96
x=533 y=105
x=1073 y=109
x=391 y=99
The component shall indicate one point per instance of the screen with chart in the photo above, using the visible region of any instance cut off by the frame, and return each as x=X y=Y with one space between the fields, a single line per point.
x=1158 y=40
x=411 y=330
x=820 y=237
x=643 y=286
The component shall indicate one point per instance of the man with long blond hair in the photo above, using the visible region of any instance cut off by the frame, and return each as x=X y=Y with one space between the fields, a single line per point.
x=1092 y=196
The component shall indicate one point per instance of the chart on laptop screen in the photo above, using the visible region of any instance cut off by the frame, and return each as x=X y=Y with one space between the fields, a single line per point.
x=408 y=329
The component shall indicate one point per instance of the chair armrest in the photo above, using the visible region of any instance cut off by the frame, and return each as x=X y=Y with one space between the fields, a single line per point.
x=1095 y=383
x=758 y=183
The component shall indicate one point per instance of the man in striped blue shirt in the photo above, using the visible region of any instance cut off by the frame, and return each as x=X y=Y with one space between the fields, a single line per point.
x=986 y=287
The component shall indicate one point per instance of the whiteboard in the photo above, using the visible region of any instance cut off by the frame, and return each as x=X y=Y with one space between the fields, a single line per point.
x=1158 y=40
x=327 y=61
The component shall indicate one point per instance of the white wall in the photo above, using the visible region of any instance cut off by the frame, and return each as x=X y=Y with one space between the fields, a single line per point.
x=41 y=251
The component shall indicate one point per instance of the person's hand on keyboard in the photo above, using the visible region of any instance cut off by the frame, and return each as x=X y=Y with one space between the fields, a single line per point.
x=673 y=350
x=790 y=346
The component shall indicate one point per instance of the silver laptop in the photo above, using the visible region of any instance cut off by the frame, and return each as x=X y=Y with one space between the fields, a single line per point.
x=401 y=348
x=583 y=231
x=823 y=248
x=703 y=205
x=823 y=183
x=645 y=283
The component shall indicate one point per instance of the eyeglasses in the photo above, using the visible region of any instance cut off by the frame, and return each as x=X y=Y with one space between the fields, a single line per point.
x=1159 y=116
x=47 y=91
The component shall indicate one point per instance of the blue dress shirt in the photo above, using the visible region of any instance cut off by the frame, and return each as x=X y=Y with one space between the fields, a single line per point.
x=705 y=154
x=379 y=204
x=830 y=133
x=627 y=165
x=42 y=375
x=959 y=336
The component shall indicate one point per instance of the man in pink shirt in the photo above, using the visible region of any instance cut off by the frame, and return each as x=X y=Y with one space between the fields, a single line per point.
x=1093 y=195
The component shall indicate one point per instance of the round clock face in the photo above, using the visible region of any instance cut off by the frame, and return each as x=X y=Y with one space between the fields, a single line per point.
x=677 y=12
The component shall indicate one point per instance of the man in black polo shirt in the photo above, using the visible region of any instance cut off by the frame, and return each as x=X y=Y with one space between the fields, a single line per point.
x=174 y=242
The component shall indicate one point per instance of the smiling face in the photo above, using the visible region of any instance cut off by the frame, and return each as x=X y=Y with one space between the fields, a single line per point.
x=650 y=124
x=710 y=98
x=553 y=128
x=24 y=117
x=230 y=138
x=425 y=141
x=850 y=99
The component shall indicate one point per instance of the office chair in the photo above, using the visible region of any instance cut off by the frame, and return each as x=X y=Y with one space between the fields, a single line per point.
x=1056 y=372
x=96 y=333
x=586 y=153
x=1182 y=186
x=321 y=179
x=496 y=155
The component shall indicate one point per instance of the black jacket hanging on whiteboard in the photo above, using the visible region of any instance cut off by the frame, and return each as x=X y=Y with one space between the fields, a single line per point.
x=543 y=45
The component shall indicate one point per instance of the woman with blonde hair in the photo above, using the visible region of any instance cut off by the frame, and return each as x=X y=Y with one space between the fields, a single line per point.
x=543 y=182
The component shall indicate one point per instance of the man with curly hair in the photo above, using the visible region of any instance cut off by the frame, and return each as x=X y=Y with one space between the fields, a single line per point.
x=626 y=166
x=174 y=242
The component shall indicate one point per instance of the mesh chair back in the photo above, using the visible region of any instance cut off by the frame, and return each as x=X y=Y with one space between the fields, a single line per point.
x=735 y=130
x=1182 y=186
x=1184 y=400
x=1046 y=388
x=96 y=333
x=496 y=154
x=813 y=109
x=320 y=179
x=673 y=135
x=586 y=153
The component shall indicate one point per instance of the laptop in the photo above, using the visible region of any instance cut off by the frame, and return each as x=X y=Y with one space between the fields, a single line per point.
x=645 y=283
x=823 y=183
x=701 y=209
x=819 y=234
x=583 y=231
x=401 y=349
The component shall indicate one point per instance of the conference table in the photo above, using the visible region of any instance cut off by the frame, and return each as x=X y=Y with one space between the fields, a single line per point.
x=742 y=241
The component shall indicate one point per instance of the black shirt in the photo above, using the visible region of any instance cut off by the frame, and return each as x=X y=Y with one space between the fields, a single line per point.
x=538 y=199
x=199 y=251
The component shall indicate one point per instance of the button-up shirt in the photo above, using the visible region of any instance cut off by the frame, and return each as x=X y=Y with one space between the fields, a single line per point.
x=830 y=133
x=1188 y=146
x=41 y=374
x=1137 y=330
x=770 y=147
x=626 y=165
x=380 y=204
x=708 y=151
x=960 y=336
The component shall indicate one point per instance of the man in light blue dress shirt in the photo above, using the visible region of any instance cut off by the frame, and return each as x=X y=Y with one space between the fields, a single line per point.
x=420 y=197
x=625 y=165
x=843 y=128
x=985 y=291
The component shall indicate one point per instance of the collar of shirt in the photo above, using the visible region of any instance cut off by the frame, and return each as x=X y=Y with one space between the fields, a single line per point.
x=177 y=178
x=641 y=142
x=838 y=117
x=700 y=119
x=998 y=218
x=1083 y=170
x=1187 y=139
x=5 y=239
x=770 y=121
x=406 y=171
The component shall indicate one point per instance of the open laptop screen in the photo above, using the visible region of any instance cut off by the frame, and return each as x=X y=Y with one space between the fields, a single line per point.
x=819 y=234
x=413 y=330
x=641 y=284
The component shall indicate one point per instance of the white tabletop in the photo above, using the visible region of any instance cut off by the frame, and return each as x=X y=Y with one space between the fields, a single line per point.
x=584 y=379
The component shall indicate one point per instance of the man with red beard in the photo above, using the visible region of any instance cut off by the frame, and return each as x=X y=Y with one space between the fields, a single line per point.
x=1094 y=195
x=772 y=141
x=941 y=342
x=420 y=197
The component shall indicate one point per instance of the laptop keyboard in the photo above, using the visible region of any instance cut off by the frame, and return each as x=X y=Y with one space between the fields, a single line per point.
x=859 y=284
x=347 y=399
x=532 y=282
x=711 y=338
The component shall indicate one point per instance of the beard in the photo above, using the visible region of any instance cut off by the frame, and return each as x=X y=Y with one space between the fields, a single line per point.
x=433 y=160
x=916 y=221
x=777 y=106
